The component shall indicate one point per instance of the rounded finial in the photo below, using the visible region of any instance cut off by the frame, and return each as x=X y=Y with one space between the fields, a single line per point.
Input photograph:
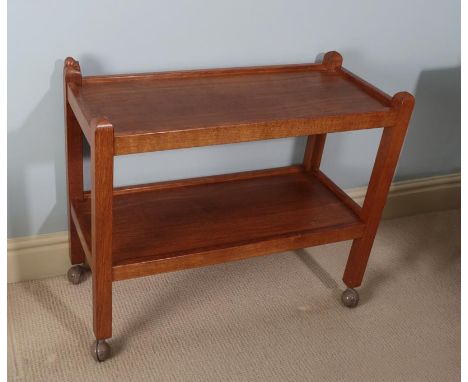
x=402 y=98
x=332 y=60
x=71 y=63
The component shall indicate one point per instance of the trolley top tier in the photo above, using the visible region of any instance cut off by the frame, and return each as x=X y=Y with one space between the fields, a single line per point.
x=168 y=110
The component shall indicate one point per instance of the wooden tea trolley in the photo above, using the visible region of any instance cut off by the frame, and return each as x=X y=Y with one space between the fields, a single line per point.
x=127 y=232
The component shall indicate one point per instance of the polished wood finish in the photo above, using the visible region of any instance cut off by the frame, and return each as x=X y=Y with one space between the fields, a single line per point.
x=343 y=196
x=314 y=151
x=101 y=202
x=332 y=61
x=205 y=180
x=212 y=217
x=141 y=230
x=179 y=109
x=74 y=155
x=379 y=184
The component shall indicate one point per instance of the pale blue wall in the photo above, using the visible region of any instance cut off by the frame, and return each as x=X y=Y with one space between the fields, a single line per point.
x=397 y=45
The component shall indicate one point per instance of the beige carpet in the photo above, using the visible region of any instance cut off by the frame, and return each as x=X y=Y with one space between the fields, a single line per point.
x=273 y=318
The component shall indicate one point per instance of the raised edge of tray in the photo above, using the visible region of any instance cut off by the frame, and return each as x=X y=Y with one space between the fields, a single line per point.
x=180 y=109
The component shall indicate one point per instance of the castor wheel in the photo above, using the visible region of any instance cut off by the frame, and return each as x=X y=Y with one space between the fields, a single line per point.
x=75 y=274
x=350 y=298
x=101 y=350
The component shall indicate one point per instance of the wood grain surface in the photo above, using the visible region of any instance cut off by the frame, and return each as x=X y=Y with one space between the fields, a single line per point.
x=161 y=111
x=175 y=222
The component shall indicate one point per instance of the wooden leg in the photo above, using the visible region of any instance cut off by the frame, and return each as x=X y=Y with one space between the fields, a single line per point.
x=75 y=250
x=381 y=178
x=102 y=168
x=74 y=156
x=313 y=152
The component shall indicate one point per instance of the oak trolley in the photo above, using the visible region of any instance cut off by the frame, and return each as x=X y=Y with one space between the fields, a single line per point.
x=127 y=232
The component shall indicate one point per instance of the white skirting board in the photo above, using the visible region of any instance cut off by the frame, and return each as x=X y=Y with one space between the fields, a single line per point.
x=40 y=256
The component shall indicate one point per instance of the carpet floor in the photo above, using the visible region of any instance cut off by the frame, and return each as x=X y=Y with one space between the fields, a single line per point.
x=272 y=318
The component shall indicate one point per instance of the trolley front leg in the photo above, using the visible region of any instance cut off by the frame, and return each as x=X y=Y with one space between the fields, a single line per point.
x=102 y=168
x=374 y=203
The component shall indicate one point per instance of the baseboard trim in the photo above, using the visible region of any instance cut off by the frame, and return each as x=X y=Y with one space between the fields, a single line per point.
x=416 y=196
x=36 y=257
x=40 y=256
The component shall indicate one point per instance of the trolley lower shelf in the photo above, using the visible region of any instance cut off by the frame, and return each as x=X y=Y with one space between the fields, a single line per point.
x=181 y=224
